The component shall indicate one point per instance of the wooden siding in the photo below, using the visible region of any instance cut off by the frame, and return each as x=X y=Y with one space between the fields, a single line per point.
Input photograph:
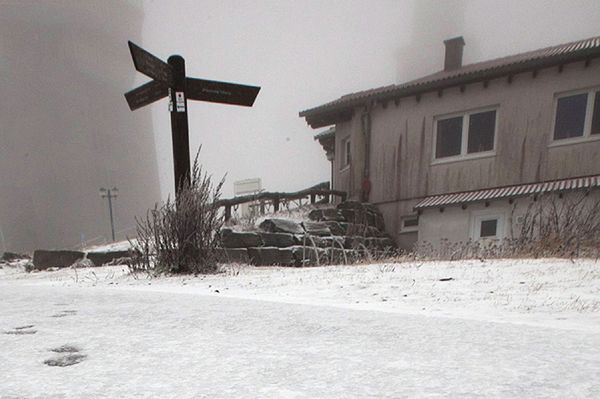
x=402 y=168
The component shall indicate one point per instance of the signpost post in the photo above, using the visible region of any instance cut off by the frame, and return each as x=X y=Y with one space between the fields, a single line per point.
x=169 y=80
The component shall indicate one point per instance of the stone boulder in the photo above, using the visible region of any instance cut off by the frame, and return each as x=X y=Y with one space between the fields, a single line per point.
x=327 y=214
x=353 y=242
x=337 y=228
x=305 y=256
x=280 y=240
x=281 y=226
x=229 y=255
x=270 y=256
x=102 y=258
x=232 y=239
x=45 y=259
x=316 y=228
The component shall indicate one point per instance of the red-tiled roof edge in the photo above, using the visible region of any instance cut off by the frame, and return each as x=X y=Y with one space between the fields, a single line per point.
x=536 y=59
x=510 y=191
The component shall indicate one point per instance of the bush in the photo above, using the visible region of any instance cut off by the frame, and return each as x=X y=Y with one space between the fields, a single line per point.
x=181 y=236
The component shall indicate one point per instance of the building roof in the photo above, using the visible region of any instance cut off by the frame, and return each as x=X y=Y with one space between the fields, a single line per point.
x=325 y=134
x=519 y=190
x=329 y=113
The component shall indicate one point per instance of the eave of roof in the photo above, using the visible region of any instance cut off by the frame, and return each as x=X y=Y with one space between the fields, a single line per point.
x=520 y=190
x=326 y=134
x=337 y=110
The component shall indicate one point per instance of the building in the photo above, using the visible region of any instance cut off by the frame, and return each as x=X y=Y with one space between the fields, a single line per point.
x=65 y=127
x=450 y=154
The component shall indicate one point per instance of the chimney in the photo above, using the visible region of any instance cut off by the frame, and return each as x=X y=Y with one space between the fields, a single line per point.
x=454 y=53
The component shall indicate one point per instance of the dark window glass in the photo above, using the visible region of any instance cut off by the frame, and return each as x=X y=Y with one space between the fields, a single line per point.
x=596 y=114
x=481 y=131
x=411 y=222
x=570 y=116
x=488 y=228
x=449 y=137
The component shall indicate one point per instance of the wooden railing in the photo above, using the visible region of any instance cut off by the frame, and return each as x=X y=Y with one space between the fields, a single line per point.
x=275 y=200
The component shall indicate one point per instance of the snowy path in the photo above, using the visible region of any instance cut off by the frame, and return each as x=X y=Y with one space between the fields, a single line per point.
x=180 y=345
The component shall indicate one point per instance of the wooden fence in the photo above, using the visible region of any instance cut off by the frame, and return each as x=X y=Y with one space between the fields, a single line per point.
x=273 y=201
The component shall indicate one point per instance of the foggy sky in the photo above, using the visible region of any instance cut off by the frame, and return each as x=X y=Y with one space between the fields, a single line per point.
x=305 y=53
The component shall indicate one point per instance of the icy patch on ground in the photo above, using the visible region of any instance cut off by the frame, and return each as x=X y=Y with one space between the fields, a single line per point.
x=549 y=292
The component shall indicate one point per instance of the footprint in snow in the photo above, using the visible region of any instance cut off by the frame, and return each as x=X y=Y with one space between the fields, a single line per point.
x=69 y=356
x=23 y=330
x=64 y=313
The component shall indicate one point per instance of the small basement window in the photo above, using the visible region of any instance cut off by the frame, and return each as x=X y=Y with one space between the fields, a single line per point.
x=410 y=223
x=465 y=135
x=487 y=226
x=577 y=115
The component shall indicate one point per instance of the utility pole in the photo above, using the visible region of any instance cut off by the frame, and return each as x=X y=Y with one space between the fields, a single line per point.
x=110 y=193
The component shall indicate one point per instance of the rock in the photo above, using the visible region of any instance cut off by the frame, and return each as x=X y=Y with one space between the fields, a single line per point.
x=280 y=240
x=316 y=215
x=233 y=255
x=354 y=242
x=316 y=228
x=326 y=214
x=44 y=259
x=371 y=231
x=349 y=215
x=281 y=226
x=232 y=239
x=336 y=228
x=327 y=242
x=370 y=218
x=341 y=256
x=102 y=258
x=10 y=256
x=356 y=230
x=270 y=256
x=305 y=256
x=83 y=263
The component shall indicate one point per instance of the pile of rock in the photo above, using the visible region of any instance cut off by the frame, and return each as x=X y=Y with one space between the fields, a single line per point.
x=50 y=259
x=331 y=235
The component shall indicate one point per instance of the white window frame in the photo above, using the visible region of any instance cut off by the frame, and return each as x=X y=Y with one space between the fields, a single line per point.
x=346 y=157
x=409 y=229
x=587 y=124
x=465 y=136
x=480 y=216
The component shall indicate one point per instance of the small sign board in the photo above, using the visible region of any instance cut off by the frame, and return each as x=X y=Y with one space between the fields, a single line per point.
x=151 y=65
x=146 y=94
x=220 y=92
x=180 y=101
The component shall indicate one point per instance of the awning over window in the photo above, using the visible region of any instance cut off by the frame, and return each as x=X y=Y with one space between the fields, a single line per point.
x=520 y=190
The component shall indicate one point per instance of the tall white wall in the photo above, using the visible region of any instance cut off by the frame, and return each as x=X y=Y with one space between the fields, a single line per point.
x=65 y=128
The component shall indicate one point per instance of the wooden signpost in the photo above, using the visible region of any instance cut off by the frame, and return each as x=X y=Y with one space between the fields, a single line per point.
x=169 y=80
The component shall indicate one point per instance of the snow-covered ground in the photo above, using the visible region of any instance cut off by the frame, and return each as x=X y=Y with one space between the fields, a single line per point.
x=510 y=329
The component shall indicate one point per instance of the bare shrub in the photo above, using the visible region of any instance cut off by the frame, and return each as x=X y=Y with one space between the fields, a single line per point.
x=561 y=225
x=181 y=236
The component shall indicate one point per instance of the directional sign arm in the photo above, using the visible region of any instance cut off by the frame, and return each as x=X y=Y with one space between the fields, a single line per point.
x=220 y=92
x=150 y=65
x=146 y=94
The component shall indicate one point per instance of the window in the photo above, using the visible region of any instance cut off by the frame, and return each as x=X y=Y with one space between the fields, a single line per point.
x=488 y=228
x=577 y=115
x=345 y=153
x=485 y=225
x=409 y=223
x=464 y=135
